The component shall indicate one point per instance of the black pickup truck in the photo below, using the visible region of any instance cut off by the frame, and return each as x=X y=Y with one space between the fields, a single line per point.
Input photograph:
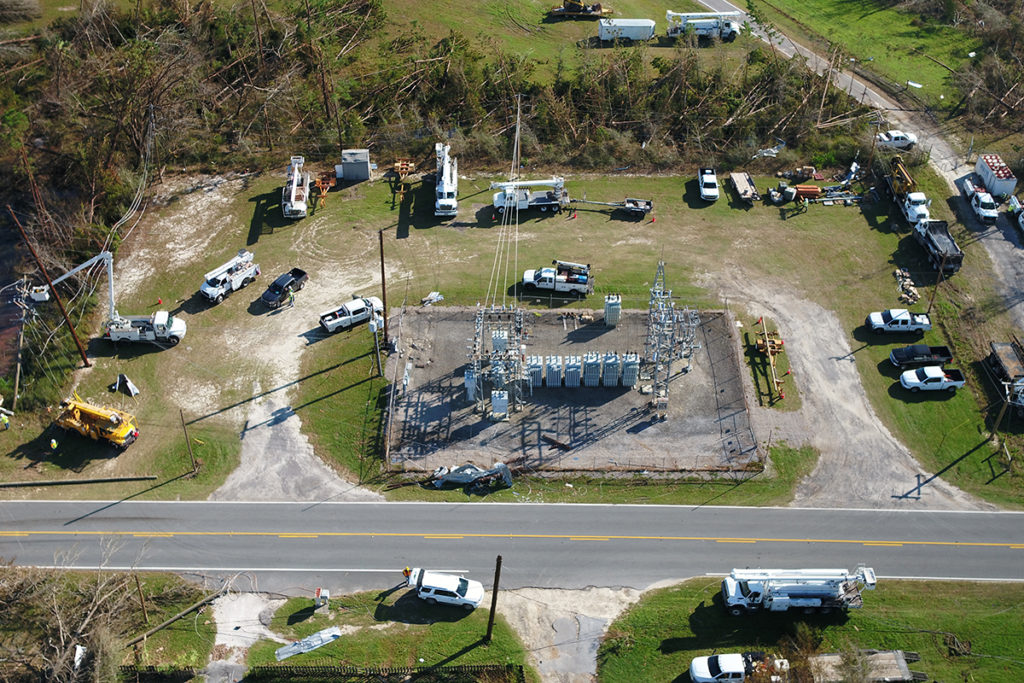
x=278 y=291
x=920 y=354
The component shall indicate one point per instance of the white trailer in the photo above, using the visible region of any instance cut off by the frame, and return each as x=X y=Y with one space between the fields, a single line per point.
x=516 y=194
x=995 y=175
x=704 y=24
x=625 y=30
x=295 y=192
x=229 y=277
x=777 y=590
x=447 y=182
x=160 y=326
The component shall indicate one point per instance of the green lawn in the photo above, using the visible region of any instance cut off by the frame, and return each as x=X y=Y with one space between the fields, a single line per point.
x=882 y=37
x=669 y=627
x=392 y=628
x=185 y=643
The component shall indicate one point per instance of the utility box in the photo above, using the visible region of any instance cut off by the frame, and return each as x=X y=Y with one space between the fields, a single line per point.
x=612 y=309
x=573 y=368
x=322 y=598
x=355 y=164
x=553 y=375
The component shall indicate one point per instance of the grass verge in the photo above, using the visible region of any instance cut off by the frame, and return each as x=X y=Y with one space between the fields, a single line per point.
x=185 y=643
x=789 y=464
x=669 y=627
x=392 y=628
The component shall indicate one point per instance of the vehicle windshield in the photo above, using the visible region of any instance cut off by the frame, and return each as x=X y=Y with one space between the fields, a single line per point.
x=921 y=374
x=886 y=316
x=215 y=281
x=987 y=204
x=713 y=668
x=463 y=587
x=709 y=184
x=918 y=202
x=744 y=588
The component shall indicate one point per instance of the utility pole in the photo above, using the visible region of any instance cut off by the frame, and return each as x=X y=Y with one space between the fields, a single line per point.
x=22 y=289
x=63 y=311
x=942 y=271
x=494 y=599
x=188 y=442
x=142 y=599
x=383 y=287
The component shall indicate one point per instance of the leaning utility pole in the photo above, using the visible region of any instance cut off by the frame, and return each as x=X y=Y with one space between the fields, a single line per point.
x=383 y=287
x=63 y=311
x=494 y=599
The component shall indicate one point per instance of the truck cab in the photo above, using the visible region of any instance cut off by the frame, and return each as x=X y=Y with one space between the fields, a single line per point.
x=915 y=207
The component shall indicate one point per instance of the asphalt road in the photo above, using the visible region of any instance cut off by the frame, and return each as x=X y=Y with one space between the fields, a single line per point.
x=292 y=547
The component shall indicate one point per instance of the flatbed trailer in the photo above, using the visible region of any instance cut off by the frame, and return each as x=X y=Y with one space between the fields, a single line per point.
x=638 y=207
x=745 y=187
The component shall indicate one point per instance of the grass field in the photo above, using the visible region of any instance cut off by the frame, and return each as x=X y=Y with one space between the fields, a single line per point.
x=668 y=627
x=185 y=643
x=893 y=42
x=393 y=628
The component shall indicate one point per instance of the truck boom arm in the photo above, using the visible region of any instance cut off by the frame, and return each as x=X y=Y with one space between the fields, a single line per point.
x=671 y=16
x=509 y=185
x=42 y=293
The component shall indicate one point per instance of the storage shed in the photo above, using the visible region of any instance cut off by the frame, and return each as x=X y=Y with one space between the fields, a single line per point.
x=355 y=165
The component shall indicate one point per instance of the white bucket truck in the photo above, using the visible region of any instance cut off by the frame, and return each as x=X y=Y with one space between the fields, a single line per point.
x=295 y=193
x=778 y=590
x=447 y=182
x=703 y=24
x=229 y=277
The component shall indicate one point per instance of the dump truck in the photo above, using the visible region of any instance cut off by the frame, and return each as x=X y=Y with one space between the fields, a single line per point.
x=932 y=378
x=566 y=276
x=778 y=590
x=898 y=320
x=577 y=9
x=230 y=277
x=98 y=423
x=446 y=184
x=902 y=188
x=943 y=252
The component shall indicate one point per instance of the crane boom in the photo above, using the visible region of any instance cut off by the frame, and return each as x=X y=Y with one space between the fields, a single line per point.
x=42 y=293
x=554 y=181
x=690 y=16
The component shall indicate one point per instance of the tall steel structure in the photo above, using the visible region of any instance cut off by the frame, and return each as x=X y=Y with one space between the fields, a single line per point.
x=671 y=336
x=497 y=356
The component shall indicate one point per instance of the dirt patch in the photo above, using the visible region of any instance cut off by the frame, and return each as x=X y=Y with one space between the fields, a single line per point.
x=604 y=427
x=562 y=629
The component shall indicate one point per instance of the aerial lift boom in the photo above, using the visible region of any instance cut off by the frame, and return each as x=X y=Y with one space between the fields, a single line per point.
x=42 y=293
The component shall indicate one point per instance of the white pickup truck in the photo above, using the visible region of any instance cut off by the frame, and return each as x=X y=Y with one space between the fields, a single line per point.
x=982 y=204
x=898 y=320
x=571 y=278
x=897 y=139
x=932 y=378
x=708 y=182
x=350 y=313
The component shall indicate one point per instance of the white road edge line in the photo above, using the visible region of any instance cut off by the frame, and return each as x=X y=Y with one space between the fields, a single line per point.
x=915 y=578
x=145 y=568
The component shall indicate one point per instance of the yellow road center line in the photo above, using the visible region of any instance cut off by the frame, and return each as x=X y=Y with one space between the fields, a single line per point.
x=298 y=535
x=587 y=538
x=441 y=537
x=410 y=534
x=884 y=544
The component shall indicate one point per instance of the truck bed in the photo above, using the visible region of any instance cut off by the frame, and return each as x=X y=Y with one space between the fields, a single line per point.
x=744 y=186
x=1006 y=361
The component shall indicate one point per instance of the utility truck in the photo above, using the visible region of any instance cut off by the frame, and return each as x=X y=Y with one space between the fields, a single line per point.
x=446 y=184
x=625 y=30
x=230 y=277
x=1017 y=212
x=980 y=201
x=898 y=320
x=517 y=194
x=778 y=590
x=902 y=188
x=943 y=252
x=703 y=24
x=161 y=326
x=876 y=666
x=295 y=192
x=351 y=313
x=737 y=667
x=896 y=139
x=933 y=378
x=571 y=278
x=98 y=423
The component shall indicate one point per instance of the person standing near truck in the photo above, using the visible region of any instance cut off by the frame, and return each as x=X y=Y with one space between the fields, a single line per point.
x=291 y=299
x=5 y=421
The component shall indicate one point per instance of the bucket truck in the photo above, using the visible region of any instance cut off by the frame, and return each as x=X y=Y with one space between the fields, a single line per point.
x=96 y=422
x=230 y=277
x=296 y=191
x=447 y=182
x=703 y=24
x=158 y=327
x=515 y=194
x=777 y=590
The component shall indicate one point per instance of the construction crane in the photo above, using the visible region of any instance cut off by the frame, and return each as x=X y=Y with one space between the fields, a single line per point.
x=578 y=9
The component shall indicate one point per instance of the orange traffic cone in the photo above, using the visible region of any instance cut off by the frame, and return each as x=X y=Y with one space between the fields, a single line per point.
x=159 y=301
x=654 y=218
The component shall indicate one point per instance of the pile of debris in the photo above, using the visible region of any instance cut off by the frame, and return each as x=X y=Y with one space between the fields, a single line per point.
x=906 y=287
